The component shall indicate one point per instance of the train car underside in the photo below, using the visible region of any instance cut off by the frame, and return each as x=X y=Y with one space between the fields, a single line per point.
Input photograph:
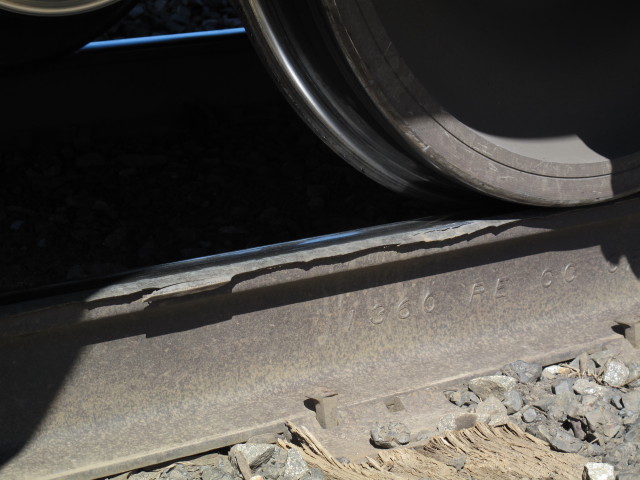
x=529 y=102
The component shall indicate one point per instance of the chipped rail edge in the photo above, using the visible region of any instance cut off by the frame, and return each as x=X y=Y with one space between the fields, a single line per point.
x=197 y=355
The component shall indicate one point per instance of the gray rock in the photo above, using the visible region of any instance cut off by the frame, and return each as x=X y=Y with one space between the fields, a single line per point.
x=206 y=472
x=469 y=398
x=563 y=386
x=633 y=433
x=582 y=386
x=634 y=374
x=563 y=405
x=463 y=398
x=255 y=454
x=631 y=400
x=223 y=463
x=529 y=415
x=522 y=371
x=629 y=417
x=492 y=412
x=543 y=402
x=448 y=422
x=544 y=430
x=274 y=467
x=592 y=450
x=214 y=473
x=389 y=435
x=175 y=472
x=584 y=415
x=513 y=401
x=492 y=386
x=287 y=465
x=516 y=419
x=598 y=471
x=314 y=474
x=563 y=441
x=601 y=357
x=604 y=421
x=616 y=401
x=456 y=397
x=621 y=455
x=590 y=401
x=457 y=421
x=193 y=472
x=615 y=373
x=295 y=467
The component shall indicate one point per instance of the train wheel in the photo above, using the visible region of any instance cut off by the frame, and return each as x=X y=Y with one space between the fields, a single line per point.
x=33 y=30
x=530 y=102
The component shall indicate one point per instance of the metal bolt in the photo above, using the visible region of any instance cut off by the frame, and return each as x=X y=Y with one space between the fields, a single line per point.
x=394 y=404
x=326 y=406
x=631 y=330
x=632 y=333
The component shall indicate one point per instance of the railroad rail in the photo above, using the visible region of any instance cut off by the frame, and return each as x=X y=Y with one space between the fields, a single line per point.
x=183 y=358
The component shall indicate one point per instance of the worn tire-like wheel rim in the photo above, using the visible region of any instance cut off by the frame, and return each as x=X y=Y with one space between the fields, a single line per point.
x=532 y=103
x=293 y=39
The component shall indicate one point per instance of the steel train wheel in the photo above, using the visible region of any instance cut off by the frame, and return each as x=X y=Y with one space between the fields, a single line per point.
x=34 y=30
x=531 y=102
x=293 y=39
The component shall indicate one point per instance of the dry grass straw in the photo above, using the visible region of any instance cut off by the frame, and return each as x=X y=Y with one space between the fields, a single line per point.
x=492 y=453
